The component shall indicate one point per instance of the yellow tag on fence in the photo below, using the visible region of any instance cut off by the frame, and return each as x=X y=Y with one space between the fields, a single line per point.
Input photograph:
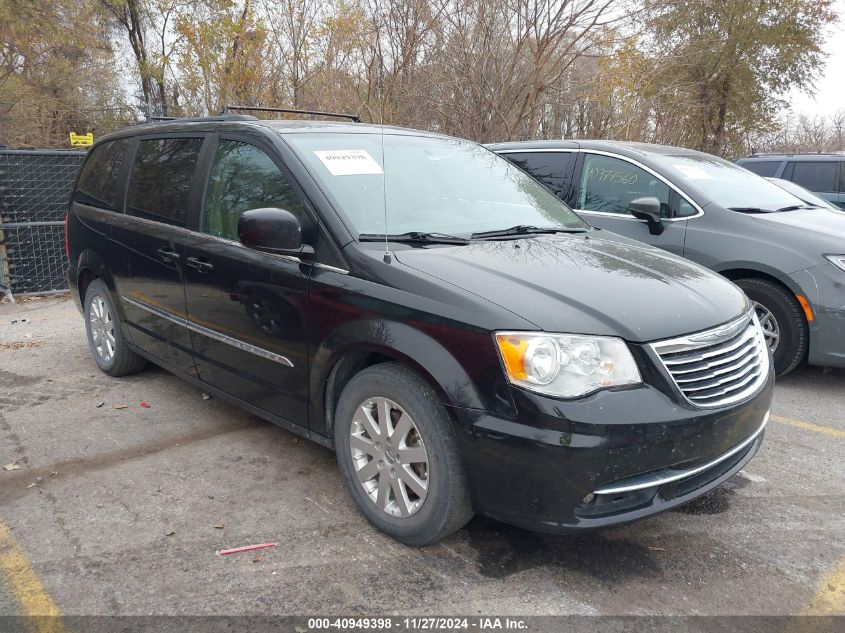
x=81 y=140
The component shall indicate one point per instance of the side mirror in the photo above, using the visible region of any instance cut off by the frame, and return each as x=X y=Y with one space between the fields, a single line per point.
x=648 y=209
x=272 y=230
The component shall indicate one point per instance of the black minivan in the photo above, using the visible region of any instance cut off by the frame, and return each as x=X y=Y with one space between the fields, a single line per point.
x=462 y=339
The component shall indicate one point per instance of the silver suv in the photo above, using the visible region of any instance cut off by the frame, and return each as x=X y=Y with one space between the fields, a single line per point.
x=788 y=256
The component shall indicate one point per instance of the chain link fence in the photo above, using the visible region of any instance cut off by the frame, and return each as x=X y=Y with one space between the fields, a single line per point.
x=35 y=186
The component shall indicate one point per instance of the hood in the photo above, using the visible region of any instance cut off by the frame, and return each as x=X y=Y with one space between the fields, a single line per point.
x=827 y=226
x=597 y=283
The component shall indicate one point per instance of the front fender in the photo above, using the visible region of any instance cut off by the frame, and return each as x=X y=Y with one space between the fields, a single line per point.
x=418 y=350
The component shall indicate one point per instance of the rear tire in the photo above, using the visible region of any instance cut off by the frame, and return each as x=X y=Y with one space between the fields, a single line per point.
x=783 y=322
x=414 y=455
x=105 y=339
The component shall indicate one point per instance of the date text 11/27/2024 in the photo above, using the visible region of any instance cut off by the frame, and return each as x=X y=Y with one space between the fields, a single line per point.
x=431 y=623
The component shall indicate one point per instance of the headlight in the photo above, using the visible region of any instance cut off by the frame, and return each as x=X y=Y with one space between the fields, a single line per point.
x=566 y=365
x=837 y=260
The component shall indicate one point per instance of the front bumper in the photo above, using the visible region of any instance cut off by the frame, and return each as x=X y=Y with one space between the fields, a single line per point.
x=610 y=458
x=824 y=287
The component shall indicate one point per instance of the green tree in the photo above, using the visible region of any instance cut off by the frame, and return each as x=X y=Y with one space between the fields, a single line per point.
x=720 y=69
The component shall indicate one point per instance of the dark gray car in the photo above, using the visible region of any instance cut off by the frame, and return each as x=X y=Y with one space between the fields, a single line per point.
x=788 y=256
x=823 y=174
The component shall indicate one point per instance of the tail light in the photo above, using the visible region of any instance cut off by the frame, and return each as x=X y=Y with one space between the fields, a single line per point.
x=67 y=245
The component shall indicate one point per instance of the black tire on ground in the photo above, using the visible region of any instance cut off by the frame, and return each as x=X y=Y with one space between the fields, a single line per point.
x=446 y=506
x=787 y=312
x=124 y=361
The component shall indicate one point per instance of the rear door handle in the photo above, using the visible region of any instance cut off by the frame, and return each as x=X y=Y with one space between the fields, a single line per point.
x=166 y=255
x=200 y=265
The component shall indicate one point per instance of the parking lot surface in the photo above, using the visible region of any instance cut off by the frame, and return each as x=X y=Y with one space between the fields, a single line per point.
x=116 y=510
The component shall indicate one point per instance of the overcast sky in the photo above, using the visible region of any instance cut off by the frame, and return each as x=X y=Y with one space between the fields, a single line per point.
x=830 y=86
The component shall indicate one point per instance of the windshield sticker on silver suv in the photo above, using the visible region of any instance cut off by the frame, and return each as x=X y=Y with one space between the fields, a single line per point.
x=693 y=172
x=349 y=162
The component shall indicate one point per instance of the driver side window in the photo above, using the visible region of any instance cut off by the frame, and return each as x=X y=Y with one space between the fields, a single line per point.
x=243 y=177
x=610 y=184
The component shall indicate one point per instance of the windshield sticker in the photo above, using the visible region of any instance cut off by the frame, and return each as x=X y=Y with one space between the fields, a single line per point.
x=694 y=172
x=349 y=162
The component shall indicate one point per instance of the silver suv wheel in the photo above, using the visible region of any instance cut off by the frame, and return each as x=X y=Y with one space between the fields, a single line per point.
x=389 y=457
x=101 y=323
x=769 y=324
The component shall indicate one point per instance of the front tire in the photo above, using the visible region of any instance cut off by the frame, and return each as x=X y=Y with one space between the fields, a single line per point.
x=105 y=340
x=398 y=454
x=782 y=320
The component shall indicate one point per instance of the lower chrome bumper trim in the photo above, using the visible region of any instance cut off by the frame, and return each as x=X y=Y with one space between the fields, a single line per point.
x=653 y=480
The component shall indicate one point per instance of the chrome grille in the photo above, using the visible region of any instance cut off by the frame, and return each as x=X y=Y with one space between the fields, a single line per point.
x=719 y=366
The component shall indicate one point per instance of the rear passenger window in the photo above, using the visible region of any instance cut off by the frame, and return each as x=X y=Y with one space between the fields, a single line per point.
x=98 y=181
x=815 y=175
x=162 y=174
x=765 y=168
x=553 y=169
x=243 y=177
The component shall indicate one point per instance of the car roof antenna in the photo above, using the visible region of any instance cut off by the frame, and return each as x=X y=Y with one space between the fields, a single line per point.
x=387 y=258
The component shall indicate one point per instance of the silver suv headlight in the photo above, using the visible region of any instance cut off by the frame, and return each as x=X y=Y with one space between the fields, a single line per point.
x=566 y=365
x=837 y=260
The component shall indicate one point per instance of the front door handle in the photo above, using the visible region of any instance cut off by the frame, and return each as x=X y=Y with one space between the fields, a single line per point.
x=166 y=255
x=200 y=265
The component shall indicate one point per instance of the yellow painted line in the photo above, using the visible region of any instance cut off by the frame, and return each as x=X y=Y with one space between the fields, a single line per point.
x=21 y=581
x=830 y=595
x=809 y=426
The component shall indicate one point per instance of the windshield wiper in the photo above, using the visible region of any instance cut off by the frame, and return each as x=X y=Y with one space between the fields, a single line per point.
x=525 y=229
x=750 y=210
x=414 y=237
x=792 y=207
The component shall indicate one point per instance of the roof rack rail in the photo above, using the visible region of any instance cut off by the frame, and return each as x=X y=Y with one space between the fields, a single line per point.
x=352 y=117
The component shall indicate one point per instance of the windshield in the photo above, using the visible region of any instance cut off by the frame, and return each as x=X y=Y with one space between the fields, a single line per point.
x=729 y=185
x=805 y=194
x=434 y=185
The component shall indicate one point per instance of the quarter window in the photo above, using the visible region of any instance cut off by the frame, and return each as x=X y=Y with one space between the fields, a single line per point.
x=98 y=182
x=160 y=184
x=553 y=169
x=243 y=177
x=815 y=175
x=610 y=184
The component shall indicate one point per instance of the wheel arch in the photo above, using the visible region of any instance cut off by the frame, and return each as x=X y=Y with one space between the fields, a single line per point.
x=360 y=344
x=91 y=266
x=736 y=271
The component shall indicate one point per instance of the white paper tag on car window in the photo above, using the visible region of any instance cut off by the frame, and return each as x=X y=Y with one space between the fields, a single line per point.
x=694 y=172
x=349 y=162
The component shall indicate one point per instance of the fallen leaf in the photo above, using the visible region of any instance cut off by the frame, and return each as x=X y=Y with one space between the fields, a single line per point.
x=257 y=559
x=219 y=526
x=11 y=467
x=121 y=406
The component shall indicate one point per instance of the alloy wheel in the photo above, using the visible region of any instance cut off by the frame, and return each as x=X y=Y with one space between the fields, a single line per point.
x=390 y=459
x=102 y=328
x=771 y=330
